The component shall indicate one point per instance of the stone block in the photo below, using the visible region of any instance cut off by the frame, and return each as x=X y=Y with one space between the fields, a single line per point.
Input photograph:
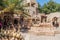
x=42 y=30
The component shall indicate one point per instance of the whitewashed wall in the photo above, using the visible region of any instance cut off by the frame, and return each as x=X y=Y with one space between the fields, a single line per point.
x=52 y=15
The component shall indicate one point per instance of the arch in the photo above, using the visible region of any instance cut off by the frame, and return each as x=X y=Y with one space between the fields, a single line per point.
x=55 y=22
x=55 y=19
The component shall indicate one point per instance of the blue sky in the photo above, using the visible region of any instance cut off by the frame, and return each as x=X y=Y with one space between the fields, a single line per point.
x=45 y=1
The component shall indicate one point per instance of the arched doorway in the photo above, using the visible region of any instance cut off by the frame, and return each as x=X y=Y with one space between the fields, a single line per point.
x=55 y=22
x=43 y=18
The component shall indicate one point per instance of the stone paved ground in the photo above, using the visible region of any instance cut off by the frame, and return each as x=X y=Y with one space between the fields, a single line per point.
x=28 y=36
x=35 y=37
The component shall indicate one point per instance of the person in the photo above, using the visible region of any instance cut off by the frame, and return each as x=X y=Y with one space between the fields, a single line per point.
x=5 y=22
x=55 y=23
x=15 y=21
x=16 y=24
x=9 y=22
x=0 y=23
x=21 y=21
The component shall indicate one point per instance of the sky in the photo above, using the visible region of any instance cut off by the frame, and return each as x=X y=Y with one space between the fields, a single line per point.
x=41 y=2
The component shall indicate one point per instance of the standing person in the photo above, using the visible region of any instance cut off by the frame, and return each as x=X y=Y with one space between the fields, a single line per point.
x=55 y=23
x=0 y=23
x=9 y=23
x=5 y=22
x=16 y=23
x=21 y=20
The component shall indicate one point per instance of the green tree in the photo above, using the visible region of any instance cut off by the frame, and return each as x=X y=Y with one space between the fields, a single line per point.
x=58 y=7
x=39 y=8
x=1 y=4
x=51 y=6
x=10 y=5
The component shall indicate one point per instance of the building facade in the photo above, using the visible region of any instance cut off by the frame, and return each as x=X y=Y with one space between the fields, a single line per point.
x=30 y=6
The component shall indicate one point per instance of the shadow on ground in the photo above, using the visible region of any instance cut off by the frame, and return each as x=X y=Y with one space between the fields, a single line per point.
x=24 y=30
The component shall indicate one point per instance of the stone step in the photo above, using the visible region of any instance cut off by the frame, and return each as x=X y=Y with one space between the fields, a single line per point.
x=57 y=32
x=42 y=33
x=42 y=30
x=42 y=25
